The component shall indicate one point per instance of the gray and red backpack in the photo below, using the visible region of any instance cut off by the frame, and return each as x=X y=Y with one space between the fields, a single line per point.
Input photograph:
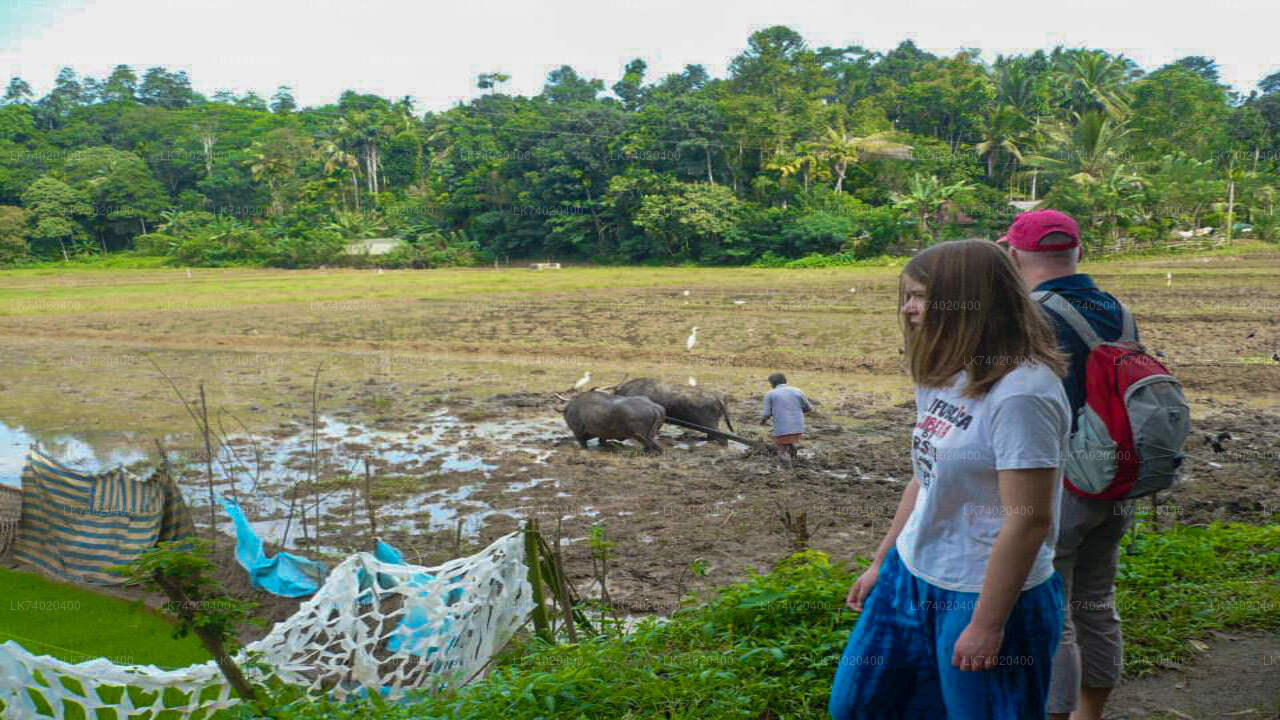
x=1129 y=434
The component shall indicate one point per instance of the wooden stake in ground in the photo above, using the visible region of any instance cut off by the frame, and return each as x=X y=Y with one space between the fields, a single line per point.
x=208 y=463
x=540 y=624
x=315 y=450
x=164 y=459
x=562 y=593
x=797 y=526
x=368 y=500
x=288 y=520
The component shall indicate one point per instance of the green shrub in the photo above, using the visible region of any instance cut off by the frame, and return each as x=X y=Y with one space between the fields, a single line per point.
x=313 y=248
x=1144 y=235
x=13 y=241
x=770 y=259
x=768 y=646
x=1266 y=227
x=224 y=242
x=818 y=232
x=820 y=260
x=433 y=250
x=155 y=244
x=1186 y=581
x=817 y=260
x=185 y=223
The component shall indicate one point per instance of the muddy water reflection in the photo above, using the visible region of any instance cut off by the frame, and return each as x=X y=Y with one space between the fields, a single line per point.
x=264 y=472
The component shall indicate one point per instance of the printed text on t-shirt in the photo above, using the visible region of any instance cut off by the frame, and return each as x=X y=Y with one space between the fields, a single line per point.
x=941 y=417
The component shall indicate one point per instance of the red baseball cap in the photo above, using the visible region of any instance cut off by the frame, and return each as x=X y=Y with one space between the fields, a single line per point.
x=1028 y=229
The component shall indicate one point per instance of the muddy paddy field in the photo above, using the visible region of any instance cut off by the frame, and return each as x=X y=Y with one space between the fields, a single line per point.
x=446 y=383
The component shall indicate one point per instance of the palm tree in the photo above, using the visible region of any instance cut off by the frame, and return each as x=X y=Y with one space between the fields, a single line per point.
x=363 y=131
x=271 y=167
x=1235 y=175
x=357 y=226
x=843 y=149
x=1095 y=80
x=806 y=159
x=1264 y=223
x=1014 y=87
x=1084 y=151
x=403 y=122
x=1185 y=186
x=206 y=132
x=1115 y=193
x=1002 y=131
x=926 y=196
x=338 y=160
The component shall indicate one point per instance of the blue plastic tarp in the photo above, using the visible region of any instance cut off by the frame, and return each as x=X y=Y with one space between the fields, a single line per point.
x=416 y=627
x=284 y=575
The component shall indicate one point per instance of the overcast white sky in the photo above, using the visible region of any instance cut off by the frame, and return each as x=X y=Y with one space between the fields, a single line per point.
x=433 y=50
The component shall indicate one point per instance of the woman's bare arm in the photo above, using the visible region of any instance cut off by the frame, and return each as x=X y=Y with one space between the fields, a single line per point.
x=1026 y=498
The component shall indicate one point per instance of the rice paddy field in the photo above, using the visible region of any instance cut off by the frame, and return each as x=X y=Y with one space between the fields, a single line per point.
x=448 y=384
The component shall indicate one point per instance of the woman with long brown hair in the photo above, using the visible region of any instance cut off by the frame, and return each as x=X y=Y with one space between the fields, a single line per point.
x=961 y=609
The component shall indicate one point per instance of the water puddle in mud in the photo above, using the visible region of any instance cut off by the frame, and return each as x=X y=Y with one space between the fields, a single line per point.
x=258 y=471
x=91 y=452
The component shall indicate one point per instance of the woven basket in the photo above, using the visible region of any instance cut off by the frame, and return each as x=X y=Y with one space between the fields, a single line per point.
x=10 y=512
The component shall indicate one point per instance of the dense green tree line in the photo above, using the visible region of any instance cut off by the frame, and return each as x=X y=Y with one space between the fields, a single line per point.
x=796 y=151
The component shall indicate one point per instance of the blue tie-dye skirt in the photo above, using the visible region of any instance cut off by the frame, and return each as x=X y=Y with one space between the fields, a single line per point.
x=897 y=664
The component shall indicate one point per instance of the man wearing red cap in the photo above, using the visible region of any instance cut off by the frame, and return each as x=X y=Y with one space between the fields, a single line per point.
x=1045 y=247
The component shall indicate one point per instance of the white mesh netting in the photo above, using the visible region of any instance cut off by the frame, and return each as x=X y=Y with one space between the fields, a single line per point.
x=372 y=627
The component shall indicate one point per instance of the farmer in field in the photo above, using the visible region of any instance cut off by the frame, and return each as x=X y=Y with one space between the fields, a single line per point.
x=961 y=609
x=1045 y=247
x=787 y=406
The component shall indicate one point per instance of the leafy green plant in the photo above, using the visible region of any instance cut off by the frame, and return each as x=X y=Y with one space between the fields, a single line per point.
x=1182 y=583
x=224 y=241
x=181 y=570
x=311 y=248
x=434 y=249
x=155 y=244
x=13 y=234
x=356 y=225
x=769 y=646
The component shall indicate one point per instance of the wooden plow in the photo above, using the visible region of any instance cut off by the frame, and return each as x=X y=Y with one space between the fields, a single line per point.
x=713 y=432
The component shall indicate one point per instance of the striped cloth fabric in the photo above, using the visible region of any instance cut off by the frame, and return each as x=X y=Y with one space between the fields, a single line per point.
x=10 y=511
x=79 y=526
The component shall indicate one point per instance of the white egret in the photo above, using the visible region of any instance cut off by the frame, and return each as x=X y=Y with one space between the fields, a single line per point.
x=693 y=340
x=1168 y=279
x=188 y=273
x=739 y=302
x=693 y=381
x=582 y=381
x=686 y=293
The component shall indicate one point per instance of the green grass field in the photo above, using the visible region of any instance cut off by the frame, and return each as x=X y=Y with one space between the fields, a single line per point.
x=75 y=625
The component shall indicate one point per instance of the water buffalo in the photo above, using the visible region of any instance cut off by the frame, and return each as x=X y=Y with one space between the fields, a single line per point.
x=682 y=402
x=612 y=417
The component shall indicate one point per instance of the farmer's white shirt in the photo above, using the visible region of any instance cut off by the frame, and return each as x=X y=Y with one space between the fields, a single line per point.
x=958 y=445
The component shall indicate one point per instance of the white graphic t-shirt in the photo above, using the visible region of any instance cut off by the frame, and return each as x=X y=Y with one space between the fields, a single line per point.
x=958 y=445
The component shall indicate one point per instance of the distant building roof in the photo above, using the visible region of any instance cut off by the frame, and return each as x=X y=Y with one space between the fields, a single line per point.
x=373 y=246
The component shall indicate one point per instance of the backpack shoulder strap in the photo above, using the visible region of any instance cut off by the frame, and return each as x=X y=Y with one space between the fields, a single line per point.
x=1129 y=331
x=1063 y=307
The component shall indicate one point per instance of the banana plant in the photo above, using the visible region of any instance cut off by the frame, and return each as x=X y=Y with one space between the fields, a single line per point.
x=926 y=196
